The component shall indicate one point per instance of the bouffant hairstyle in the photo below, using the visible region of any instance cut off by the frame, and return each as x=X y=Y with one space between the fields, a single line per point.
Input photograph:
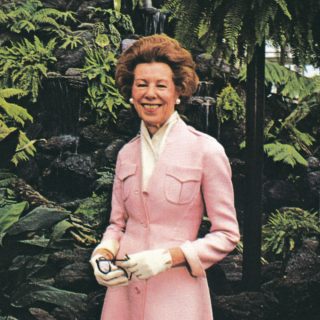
x=157 y=48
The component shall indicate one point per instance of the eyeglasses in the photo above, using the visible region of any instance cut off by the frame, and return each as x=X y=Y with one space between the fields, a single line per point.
x=104 y=265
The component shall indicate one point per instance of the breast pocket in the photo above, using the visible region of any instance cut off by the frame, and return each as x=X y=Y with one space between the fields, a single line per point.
x=126 y=174
x=182 y=184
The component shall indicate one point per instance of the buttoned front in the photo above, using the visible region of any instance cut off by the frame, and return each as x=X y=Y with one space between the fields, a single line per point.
x=191 y=176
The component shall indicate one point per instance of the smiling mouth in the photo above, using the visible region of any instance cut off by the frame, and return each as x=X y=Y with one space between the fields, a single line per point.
x=151 y=106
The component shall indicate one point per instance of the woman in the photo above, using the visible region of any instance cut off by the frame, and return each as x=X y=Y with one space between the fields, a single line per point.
x=166 y=178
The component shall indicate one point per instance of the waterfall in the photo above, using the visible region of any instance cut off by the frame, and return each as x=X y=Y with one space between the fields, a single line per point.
x=201 y=110
x=60 y=102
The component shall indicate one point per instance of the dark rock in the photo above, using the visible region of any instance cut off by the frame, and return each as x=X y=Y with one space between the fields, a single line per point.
x=93 y=137
x=59 y=144
x=278 y=193
x=95 y=302
x=298 y=291
x=113 y=148
x=313 y=164
x=271 y=271
x=57 y=4
x=298 y=299
x=60 y=259
x=128 y=123
x=69 y=59
x=305 y=263
x=28 y=170
x=204 y=64
x=71 y=175
x=41 y=314
x=246 y=306
x=314 y=182
x=73 y=72
x=83 y=10
x=76 y=277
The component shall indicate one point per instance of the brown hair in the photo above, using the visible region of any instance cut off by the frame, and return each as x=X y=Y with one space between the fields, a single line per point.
x=158 y=48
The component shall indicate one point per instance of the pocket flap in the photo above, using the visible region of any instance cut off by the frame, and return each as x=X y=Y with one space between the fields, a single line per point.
x=126 y=170
x=184 y=174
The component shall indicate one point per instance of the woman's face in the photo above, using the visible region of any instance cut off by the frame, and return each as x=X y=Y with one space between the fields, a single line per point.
x=154 y=93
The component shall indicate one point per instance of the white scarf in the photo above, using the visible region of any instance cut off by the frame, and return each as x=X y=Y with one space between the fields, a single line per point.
x=151 y=148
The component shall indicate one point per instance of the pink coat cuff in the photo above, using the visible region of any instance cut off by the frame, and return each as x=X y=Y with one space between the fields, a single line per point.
x=193 y=260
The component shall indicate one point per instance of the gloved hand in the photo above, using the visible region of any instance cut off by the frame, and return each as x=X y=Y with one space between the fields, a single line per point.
x=106 y=273
x=146 y=264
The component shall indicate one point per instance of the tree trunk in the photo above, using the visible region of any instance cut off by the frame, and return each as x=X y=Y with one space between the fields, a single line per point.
x=254 y=167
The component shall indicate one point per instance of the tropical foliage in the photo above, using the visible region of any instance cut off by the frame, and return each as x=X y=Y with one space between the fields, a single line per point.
x=111 y=23
x=229 y=105
x=100 y=61
x=236 y=27
x=103 y=96
x=11 y=117
x=29 y=17
x=24 y=64
x=286 y=229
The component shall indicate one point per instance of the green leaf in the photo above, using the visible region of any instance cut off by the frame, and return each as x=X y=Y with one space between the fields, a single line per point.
x=28 y=294
x=102 y=40
x=40 y=242
x=117 y=5
x=9 y=215
x=60 y=229
x=39 y=218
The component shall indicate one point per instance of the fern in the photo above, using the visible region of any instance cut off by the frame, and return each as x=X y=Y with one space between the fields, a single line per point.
x=189 y=16
x=286 y=229
x=103 y=96
x=19 y=115
x=285 y=153
x=16 y=112
x=25 y=63
x=239 y=25
x=30 y=16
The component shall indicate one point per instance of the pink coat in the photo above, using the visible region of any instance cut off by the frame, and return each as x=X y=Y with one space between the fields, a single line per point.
x=191 y=175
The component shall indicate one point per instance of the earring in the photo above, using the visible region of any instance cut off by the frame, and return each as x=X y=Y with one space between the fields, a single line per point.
x=178 y=101
x=131 y=100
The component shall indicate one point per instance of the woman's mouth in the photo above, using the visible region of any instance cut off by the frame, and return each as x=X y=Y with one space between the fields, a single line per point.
x=151 y=106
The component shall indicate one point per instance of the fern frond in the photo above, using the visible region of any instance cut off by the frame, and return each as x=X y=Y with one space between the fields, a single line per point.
x=284 y=153
x=26 y=147
x=17 y=113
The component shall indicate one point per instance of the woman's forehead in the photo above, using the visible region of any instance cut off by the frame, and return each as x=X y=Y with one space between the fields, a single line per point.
x=158 y=70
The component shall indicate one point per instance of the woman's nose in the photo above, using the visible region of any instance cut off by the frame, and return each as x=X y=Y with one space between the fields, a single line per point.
x=150 y=93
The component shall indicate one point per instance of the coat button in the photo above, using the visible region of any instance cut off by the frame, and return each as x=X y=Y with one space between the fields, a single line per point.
x=137 y=290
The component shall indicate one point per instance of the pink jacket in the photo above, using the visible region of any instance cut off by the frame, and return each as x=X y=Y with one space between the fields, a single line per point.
x=191 y=176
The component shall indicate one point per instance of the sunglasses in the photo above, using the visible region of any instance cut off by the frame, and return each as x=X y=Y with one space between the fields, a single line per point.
x=104 y=265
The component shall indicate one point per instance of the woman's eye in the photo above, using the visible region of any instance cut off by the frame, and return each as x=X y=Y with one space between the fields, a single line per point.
x=140 y=85
x=162 y=86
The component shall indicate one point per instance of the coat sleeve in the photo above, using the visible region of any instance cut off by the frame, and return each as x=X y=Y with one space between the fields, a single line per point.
x=217 y=190
x=118 y=216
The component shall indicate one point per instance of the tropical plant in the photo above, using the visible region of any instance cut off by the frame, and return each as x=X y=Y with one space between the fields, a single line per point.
x=25 y=17
x=229 y=105
x=24 y=64
x=10 y=208
x=103 y=96
x=236 y=27
x=284 y=141
x=111 y=25
x=286 y=229
x=12 y=114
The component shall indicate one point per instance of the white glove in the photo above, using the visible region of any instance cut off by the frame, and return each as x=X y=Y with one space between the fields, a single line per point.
x=146 y=264
x=107 y=274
